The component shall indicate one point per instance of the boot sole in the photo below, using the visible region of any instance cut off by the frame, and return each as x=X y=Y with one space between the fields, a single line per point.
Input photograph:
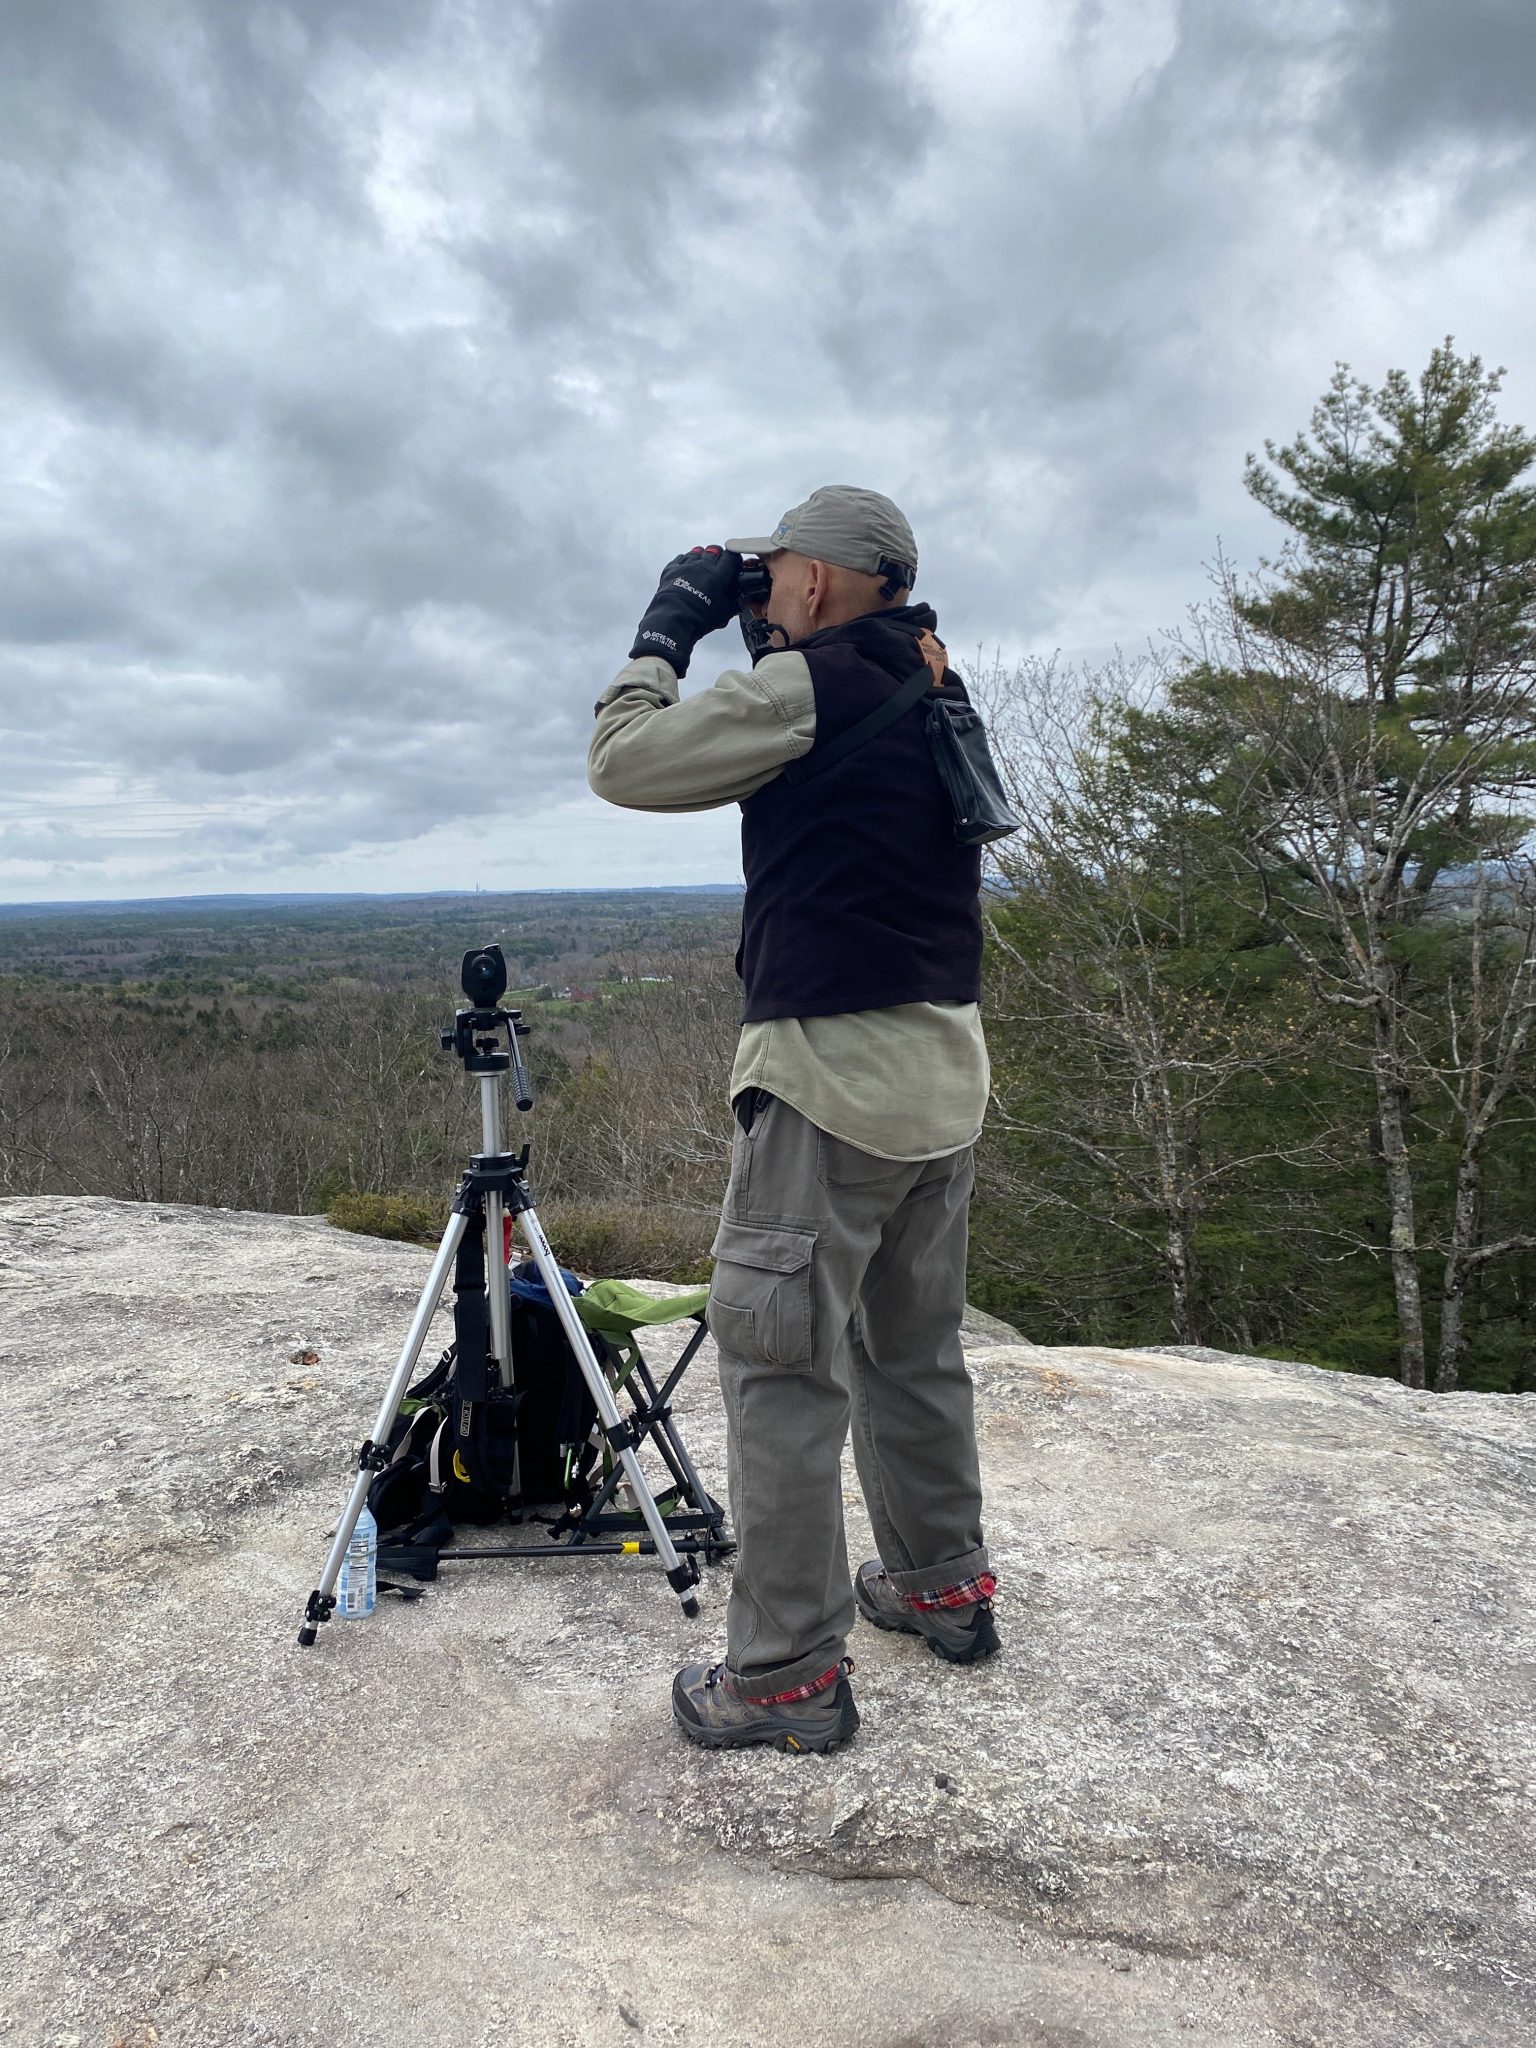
x=787 y=1739
x=801 y=1741
x=888 y=1622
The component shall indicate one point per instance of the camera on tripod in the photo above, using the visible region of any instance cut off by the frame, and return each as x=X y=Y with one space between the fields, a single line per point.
x=475 y=1034
x=483 y=977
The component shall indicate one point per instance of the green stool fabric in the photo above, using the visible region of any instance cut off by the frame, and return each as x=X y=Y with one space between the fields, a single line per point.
x=615 y=1309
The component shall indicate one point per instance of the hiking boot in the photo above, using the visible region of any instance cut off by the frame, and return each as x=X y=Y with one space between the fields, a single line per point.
x=960 y=1635
x=710 y=1711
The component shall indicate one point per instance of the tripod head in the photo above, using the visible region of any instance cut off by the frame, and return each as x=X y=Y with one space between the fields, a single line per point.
x=475 y=1034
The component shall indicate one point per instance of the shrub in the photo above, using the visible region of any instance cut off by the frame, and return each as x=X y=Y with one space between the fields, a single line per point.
x=616 y=1242
x=407 y=1217
x=610 y=1241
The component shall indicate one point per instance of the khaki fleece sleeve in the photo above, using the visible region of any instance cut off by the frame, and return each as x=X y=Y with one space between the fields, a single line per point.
x=652 y=752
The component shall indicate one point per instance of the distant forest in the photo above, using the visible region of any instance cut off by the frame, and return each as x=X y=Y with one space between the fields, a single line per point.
x=1261 y=971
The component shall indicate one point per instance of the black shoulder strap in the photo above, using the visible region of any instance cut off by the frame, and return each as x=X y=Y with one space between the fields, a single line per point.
x=869 y=727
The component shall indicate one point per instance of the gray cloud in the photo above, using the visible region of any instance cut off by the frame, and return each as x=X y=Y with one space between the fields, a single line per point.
x=1418 y=75
x=360 y=363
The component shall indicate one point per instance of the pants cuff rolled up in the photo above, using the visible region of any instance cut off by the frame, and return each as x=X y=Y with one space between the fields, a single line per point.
x=759 y=1685
x=938 y=1578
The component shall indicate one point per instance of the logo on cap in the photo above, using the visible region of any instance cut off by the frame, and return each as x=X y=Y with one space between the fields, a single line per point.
x=781 y=530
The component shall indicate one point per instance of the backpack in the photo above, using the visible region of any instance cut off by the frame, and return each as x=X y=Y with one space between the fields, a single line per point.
x=466 y=1448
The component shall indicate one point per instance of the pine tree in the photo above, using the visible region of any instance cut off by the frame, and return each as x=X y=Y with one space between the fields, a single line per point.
x=1369 y=711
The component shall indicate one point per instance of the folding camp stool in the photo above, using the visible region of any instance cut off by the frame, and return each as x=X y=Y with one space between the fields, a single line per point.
x=614 y=1313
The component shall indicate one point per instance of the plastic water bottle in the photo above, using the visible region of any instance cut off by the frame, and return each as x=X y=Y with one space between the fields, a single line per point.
x=357 y=1588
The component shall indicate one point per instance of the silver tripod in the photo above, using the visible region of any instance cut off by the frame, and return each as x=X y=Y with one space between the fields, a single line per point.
x=495 y=1183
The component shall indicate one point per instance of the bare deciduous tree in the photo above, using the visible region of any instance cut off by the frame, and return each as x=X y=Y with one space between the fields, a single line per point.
x=1107 y=971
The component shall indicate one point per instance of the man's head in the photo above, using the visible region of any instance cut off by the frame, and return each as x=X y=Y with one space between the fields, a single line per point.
x=843 y=553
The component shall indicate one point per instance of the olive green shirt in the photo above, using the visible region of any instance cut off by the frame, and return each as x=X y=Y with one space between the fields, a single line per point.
x=903 y=1083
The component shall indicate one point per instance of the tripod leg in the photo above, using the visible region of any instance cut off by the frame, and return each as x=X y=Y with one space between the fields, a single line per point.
x=680 y=1576
x=322 y=1600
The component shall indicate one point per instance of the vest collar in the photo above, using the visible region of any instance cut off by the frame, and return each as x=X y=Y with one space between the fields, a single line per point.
x=885 y=636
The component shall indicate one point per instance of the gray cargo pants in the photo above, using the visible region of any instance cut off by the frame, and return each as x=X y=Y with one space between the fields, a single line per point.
x=838 y=1289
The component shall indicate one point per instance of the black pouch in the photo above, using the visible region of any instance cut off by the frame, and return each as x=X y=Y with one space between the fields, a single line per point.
x=969 y=774
x=960 y=752
x=484 y=1441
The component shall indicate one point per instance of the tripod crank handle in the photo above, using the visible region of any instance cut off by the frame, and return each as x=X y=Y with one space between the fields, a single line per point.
x=521 y=1085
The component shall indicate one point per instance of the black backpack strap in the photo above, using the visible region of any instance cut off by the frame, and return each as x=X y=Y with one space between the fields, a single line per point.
x=471 y=1315
x=869 y=727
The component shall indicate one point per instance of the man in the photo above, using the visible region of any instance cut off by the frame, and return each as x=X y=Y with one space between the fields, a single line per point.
x=859 y=1087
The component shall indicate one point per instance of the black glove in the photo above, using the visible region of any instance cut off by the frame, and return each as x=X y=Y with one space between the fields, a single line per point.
x=696 y=595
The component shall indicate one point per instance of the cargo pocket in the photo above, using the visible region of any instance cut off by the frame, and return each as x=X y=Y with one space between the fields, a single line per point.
x=760 y=1304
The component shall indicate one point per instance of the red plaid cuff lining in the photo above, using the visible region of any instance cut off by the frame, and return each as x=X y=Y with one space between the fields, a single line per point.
x=808 y=1691
x=966 y=1594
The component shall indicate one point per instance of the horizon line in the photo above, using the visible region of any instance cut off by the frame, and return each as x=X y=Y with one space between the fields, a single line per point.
x=370 y=895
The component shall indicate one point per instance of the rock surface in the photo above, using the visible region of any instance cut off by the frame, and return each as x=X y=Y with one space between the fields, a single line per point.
x=1255 y=1767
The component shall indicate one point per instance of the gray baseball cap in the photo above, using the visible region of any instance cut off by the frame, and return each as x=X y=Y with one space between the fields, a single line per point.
x=857 y=529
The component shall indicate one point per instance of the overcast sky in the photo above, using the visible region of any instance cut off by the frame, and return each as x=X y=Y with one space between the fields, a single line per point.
x=361 y=362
